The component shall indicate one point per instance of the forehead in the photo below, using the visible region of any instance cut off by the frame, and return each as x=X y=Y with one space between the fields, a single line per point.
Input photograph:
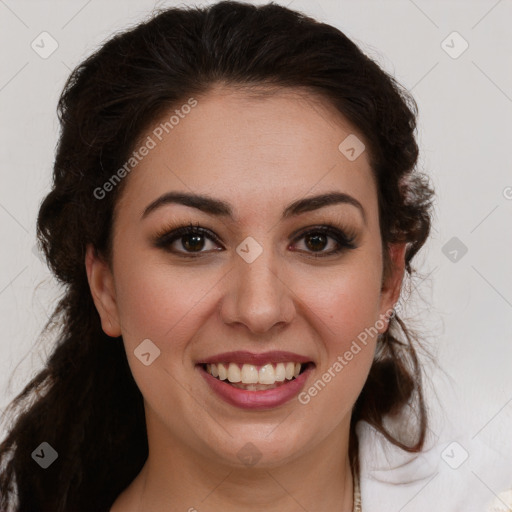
x=254 y=150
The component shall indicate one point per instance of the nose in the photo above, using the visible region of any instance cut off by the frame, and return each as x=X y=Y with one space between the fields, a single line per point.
x=257 y=295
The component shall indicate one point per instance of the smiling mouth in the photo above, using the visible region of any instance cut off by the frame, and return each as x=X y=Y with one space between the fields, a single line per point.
x=256 y=378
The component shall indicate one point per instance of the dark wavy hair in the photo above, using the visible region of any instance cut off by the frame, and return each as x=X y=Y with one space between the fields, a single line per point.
x=85 y=402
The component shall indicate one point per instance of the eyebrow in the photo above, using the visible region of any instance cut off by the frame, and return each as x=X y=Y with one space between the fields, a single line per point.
x=220 y=208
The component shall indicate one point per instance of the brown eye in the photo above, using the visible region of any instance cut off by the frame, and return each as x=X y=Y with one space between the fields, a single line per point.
x=317 y=239
x=192 y=242
x=316 y=242
x=187 y=241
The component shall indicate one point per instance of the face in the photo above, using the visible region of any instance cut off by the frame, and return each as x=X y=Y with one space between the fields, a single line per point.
x=265 y=276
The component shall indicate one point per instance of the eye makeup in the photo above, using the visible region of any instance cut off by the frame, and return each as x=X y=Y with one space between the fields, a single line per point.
x=344 y=239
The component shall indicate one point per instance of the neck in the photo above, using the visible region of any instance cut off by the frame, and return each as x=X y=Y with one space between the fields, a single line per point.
x=176 y=478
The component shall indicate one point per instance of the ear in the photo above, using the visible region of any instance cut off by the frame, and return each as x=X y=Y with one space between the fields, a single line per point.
x=392 y=282
x=101 y=283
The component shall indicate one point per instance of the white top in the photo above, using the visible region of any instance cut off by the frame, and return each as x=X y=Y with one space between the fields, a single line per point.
x=452 y=474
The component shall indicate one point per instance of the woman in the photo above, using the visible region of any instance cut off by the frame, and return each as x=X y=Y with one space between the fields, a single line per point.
x=235 y=205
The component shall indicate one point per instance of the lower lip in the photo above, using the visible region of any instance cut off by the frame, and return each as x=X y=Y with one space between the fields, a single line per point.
x=264 y=399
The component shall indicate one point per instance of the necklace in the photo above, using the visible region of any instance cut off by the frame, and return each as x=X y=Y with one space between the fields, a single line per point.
x=357 y=493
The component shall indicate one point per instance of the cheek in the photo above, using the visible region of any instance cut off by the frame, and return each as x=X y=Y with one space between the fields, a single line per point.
x=165 y=307
x=166 y=303
x=347 y=301
x=163 y=304
x=347 y=310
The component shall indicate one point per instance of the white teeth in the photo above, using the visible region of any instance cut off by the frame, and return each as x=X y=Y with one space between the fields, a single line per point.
x=249 y=374
x=223 y=373
x=290 y=370
x=267 y=375
x=234 y=374
x=280 y=372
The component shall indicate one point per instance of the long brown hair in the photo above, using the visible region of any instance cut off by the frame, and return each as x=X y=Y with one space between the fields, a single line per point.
x=85 y=402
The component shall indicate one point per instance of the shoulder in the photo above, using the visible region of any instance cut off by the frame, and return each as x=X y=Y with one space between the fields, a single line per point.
x=452 y=474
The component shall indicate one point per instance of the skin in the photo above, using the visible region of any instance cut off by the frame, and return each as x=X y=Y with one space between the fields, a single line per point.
x=259 y=154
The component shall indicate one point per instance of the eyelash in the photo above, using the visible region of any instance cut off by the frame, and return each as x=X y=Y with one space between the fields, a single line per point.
x=164 y=238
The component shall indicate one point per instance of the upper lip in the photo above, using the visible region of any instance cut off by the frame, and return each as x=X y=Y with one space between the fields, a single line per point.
x=241 y=357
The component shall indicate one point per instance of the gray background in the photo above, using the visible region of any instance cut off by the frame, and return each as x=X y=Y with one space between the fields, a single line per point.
x=465 y=126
